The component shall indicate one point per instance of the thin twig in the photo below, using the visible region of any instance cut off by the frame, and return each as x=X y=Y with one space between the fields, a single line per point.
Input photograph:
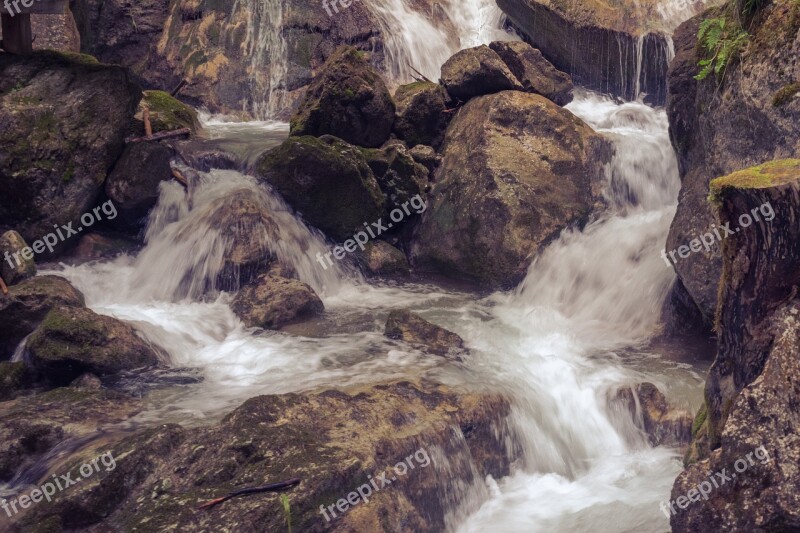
x=272 y=487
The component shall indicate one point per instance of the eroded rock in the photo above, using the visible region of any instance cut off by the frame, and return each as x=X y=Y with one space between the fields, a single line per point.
x=664 y=425
x=413 y=329
x=535 y=73
x=272 y=301
x=422 y=114
x=475 y=72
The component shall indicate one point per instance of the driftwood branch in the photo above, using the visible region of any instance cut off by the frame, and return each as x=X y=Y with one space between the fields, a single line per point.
x=272 y=487
x=180 y=178
x=3 y=286
x=178 y=89
x=148 y=128
x=160 y=135
x=420 y=74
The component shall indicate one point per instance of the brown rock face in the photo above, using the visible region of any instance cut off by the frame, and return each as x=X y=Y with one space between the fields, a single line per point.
x=717 y=130
x=477 y=71
x=413 y=329
x=598 y=43
x=535 y=73
x=664 y=425
x=380 y=258
x=273 y=301
x=335 y=442
x=752 y=392
x=516 y=170
x=421 y=113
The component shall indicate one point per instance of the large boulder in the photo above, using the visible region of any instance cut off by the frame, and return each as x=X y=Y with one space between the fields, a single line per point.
x=14 y=266
x=750 y=424
x=717 y=129
x=327 y=180
x=477 y=71
x=26 y=305
x=620 y=47
x=422 y=114
x=62 y=127
x=534 y=72
x=334 y=442
x=272 y=301
x=347 y=99
x=71 y=341
x=133 y=184
x=516 y=170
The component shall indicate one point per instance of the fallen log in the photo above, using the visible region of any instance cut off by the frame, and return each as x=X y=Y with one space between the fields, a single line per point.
x=272 y=487
x=160 y=135
x=3 y=286
x=177 y=89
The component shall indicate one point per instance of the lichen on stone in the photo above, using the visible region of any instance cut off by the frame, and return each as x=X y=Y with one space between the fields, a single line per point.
x=770 y=174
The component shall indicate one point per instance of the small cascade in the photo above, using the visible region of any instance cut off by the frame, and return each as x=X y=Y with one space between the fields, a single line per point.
x=265 y=45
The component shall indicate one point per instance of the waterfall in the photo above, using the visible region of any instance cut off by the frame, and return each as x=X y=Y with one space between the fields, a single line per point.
x=265 y=46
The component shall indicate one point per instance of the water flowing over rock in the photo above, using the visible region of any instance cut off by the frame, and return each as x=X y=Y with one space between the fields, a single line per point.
x=272 y=301
x=413 y=329
x=62 y=125
x=752 y=393
x=719 y=129
x=602 y=47
x=516 y=170
x=663 y=424
x=347 y=99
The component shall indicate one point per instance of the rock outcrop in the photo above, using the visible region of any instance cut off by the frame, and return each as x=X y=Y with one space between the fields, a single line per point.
x=422 y=114
x=516 y=170
x=14 y=266
x=327 y=180
x=535 y=73
x=62 y=125
x=334 y=442
x=752 y=394
x=347 y=99
x=475 y=72
x=718 y=129
x=618 y=48
x=272 y=301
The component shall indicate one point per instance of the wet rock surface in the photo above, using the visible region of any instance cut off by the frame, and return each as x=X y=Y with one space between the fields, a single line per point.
x=475 y=72
x=271 y=301
x=663 y=424
x=413 y=329
x=381 y=259
x=422 y=113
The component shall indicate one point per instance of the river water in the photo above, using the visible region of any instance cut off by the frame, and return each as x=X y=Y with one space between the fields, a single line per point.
x=573 y=332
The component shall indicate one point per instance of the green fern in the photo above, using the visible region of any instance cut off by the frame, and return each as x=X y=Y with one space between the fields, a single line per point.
x=721 y=41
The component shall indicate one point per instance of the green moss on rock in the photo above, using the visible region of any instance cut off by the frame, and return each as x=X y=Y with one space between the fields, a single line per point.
x=168 y=113
x=785 y=94
x=770 y=174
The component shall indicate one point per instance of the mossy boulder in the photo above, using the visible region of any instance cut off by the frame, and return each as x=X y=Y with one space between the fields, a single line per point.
x=516 y=170
x=475 y=72
x=535 y=73
x=272 y=301
x=379 y=258
x=422 y=114
x=399 y=176
x=327 y=180
x=14 y=377
x=133 y=185
x=26 y=306
x=348 y=99
x=413 y=329
x=62 y=128
x=168 y=113
x=770 y=174
x=71 y=341
x=14 y=269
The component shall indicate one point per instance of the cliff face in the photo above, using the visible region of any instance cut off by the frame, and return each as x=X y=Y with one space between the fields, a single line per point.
x=753 y=389
x=717 y=129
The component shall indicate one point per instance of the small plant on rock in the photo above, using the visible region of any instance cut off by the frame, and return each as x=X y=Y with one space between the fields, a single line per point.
x=721 y=39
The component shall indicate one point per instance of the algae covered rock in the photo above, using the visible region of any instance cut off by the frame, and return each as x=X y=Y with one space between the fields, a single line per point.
x=14 y=267
x=477 y=71
x=14 y=377
x=28 y=303
x=326 y=180
x=535 y=73
x=272 y=301
x=413 y=329
x=347 y=99
x=168 y=113
x=399 y=176
x=422 y=115
x=71 y=341
x=516 y=170
x=62 y=127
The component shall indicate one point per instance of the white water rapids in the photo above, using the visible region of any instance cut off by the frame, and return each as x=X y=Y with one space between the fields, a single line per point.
x=558 y=346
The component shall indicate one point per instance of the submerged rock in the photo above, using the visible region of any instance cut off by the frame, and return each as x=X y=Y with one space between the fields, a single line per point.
x=751 y=423
x=664 y=425
x=477 y=71
x=133 y=185
x=62 y=125
x=334 y=442
x=535 y=73
x=14 y=267
x=347 y=99
x=413 y=329
x=422 y=115
x=26 y=306
x=272 y=301
x=327 y=180
x=516 y=170
x=71 y=341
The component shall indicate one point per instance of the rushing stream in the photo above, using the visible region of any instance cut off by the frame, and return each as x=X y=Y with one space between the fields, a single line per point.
x=558 y=346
